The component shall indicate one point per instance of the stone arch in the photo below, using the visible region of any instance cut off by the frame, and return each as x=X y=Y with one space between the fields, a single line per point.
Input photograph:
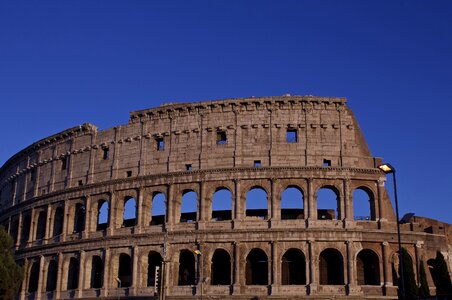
x=256 y=271
x=129 y=216
x=124 y=270
x=14 y=229
x=26 y=225
x=154 y=261
x=97 y=272
x=58 y=220
x=395 y=264
x=33 y=277
x=52 y=273
x=220 y=272
x=363 y=203
x=103 y=210
x=41 y=225
x=331 y=267
x=189 y=206
x=186 y=268
x=293 y=267
x=292 y=203
x=158 y=208
x=328 y=203
x=257 y=202
x=222 y=204
x=368 y=267
x=73 y=272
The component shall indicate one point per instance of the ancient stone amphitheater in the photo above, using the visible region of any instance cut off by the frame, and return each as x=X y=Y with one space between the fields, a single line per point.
x=190 y=200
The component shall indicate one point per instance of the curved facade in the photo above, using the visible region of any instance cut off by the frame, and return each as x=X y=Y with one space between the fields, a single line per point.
x=221 y=198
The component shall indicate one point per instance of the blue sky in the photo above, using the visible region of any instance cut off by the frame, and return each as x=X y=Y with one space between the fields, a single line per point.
x=64 y=63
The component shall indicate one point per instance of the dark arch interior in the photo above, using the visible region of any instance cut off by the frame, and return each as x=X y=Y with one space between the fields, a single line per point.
x=186 y=268
x=293 y=268
x=257 y=268
x=221 y=268
x=125 y=270
x=368 y=268
x=154 y=262
x=79 y=220
x=52 y=273
x=58 y=222
x=34 y=278
x=25 y=229
x=72 y=277
x=13 y=230
x=331 y=267
x=97 y=268
x=41 y=227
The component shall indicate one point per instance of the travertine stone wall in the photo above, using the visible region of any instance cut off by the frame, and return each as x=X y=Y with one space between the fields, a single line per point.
x=173 y=149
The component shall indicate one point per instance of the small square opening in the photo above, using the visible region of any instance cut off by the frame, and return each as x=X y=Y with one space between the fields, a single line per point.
x=257 y=164
x=106 y=153
x=32 y=175
x=160 y=144
x=291 y=136
x=129 y=173
x=64 y=163
x=188 y=167
x=327 y=163
x=221 y=138
x=80 y=182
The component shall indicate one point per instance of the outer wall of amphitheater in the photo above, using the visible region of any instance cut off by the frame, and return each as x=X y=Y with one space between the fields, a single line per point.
x=53 y=193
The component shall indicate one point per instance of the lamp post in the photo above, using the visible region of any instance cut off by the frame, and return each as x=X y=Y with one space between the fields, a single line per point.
x=388 y=169
x=200 y=279
x=119 y=284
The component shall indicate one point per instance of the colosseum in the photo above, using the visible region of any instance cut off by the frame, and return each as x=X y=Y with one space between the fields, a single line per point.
x=214 y=199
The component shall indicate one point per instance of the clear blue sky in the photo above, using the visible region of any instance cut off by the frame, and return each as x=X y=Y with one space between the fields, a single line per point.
x=64 y=63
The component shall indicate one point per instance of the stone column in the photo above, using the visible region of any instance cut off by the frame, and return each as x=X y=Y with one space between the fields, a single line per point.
x=107 y=272
x=81 y=274
x=88 y=217
x=170 y=206
x=41 y=278
x=202 y=205
x=65 y=221
x=135 y=272
x=351 y=269
x=48 y=224
x=347 y=213
x=19 y=232
x=275 y=278
x=313 y=280
x=32 y=231
x=379 y=200
x=59 y=276
x=111 y=214
x=238 y=213
x=387 y=272
x=140 y=211
x=312 y=203
x=24 y=286
x=419 y=252
x=238 y=277
x=274 y=203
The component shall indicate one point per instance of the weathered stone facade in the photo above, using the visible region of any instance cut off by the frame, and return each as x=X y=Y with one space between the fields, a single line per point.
x=52 y=193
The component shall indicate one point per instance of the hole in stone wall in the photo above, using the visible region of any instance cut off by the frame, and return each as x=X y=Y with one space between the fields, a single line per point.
x=221 y=137
x=52 y=272
x=331 y=269
x=64 y=163
x=58 y=221
x=221 y=268
x=154 y=262
x=293 y=266
x=106 y=153
x=129 y=173
x=256 y=268
x=257 y=164
x=291 y=136
x=41 y=227
x=72 y=277
x=327 y=163
x=188 y=167
x=160 y=144
x=97 y=267
x=186 y=268
x=125 y=270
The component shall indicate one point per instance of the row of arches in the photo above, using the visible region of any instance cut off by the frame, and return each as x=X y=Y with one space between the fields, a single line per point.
x=292 y=206
x=292 y=264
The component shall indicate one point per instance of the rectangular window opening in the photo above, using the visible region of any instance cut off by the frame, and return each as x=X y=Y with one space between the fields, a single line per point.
x=32 y=175
x=221 y=138
x=257 y=164
x=129 y=173
x=106 y=153
x=327 y=163
x=291 y=136
x=64 y=163
x=188 y=167
x=80 y=182
x=160 y=144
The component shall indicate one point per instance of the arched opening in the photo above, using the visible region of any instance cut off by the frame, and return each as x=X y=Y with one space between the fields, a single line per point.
x=79 y=218
x=186 y=268
x=292 y=203
x=158 y=209
x=25 y=234
x=72 y=275
x=188 y=207
x=41 y=227
x=34 y=278
x=331 y=267
x=58 y=221
x=97 y=270
x=52 y=272
x=125 y=270
x=328 y=203
x=222 y=205
x=363 y=204
x=13 y=230
x=130 y=212
x=256 y=268
x=395 y=263
x=293 y=268
x=102 y=215
x=221 y=268
x=256 y=203
x=368 y=268
x=154 y=263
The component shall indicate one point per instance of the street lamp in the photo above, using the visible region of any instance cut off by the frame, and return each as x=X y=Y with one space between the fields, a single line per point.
x=119 y=284
x=388 y=169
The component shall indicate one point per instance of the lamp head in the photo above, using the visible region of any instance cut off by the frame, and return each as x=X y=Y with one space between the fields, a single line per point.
x=387 y=168
x=197 y=252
